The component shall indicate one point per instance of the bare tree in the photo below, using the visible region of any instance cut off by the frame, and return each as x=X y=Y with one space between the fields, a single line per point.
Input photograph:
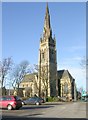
x=43 y=84
x=5 y=67
x=19 y=72
x=36 y=67
x=28 y=91
x=43 y=80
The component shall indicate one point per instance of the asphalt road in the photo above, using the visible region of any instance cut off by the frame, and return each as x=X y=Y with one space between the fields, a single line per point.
x=48 y=110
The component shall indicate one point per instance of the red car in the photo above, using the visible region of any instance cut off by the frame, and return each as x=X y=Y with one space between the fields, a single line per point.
x=10 y=102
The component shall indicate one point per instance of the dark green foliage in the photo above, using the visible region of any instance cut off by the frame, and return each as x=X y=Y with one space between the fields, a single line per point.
x=52 y=99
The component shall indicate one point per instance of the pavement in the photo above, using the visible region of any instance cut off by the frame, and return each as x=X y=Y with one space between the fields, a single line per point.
x=49 y=110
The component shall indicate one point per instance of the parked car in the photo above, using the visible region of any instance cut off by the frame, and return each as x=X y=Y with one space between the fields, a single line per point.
x=10 y=102
x=33 y=100
x=43 y=100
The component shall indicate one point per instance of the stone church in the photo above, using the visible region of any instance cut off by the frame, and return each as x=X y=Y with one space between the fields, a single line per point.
x=48 y=81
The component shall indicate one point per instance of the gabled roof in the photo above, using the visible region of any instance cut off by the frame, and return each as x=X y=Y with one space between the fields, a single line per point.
x=64 y=73
x=60 y=73
x=29 y=77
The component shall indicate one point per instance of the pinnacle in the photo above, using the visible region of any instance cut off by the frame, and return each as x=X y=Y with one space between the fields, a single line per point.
x=47 y=9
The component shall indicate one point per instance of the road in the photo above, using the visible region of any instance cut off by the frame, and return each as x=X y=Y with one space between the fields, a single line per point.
x=49 y=110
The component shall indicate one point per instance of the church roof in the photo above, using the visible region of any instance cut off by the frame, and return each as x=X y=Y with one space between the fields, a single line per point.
x=64 y=73
x=60 y=74
x=29 y=77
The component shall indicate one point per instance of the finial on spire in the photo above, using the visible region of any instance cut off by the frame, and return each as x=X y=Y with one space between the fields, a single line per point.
x=47 y=17
x=47 y=9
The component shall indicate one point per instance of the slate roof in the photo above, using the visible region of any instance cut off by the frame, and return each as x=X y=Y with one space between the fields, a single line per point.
x=29 y=77
x=62 y=73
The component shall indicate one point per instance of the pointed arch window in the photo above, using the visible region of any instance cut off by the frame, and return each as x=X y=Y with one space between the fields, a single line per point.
x=43 y=55
x=65 y=88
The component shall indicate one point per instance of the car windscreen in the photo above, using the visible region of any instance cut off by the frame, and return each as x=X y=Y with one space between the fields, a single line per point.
x=17 y=98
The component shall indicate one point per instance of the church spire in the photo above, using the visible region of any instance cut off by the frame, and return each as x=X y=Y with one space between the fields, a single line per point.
x=47 y=9
x=47 y=27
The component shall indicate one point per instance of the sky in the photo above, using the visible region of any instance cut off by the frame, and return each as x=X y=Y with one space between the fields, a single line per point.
x=22 y=27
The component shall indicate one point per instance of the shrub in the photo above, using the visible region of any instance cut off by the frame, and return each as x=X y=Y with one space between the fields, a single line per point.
x=55 y=99
x=52 y=99
x=24 y=98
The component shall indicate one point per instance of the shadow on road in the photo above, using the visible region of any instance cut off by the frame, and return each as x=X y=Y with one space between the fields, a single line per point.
x=35 y=107
x=26 y=107
x=53 y=103
x=31 y=118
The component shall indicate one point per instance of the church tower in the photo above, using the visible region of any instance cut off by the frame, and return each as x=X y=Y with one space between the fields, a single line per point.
x=47 y=60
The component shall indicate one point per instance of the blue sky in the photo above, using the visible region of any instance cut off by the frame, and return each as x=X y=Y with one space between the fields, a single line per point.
x=23 y=24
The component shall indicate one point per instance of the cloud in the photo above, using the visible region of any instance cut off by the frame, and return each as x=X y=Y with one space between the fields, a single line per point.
x=77 y=58
x=76 y=48
x=71 y=61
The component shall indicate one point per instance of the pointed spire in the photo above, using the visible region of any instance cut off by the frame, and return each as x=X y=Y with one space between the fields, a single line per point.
x=47 y=17
x=47 y=9
x=47 y=28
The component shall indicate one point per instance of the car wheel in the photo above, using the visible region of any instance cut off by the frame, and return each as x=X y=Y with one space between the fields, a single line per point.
x=22 y=103
x=9 y=107
x=37 y=103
